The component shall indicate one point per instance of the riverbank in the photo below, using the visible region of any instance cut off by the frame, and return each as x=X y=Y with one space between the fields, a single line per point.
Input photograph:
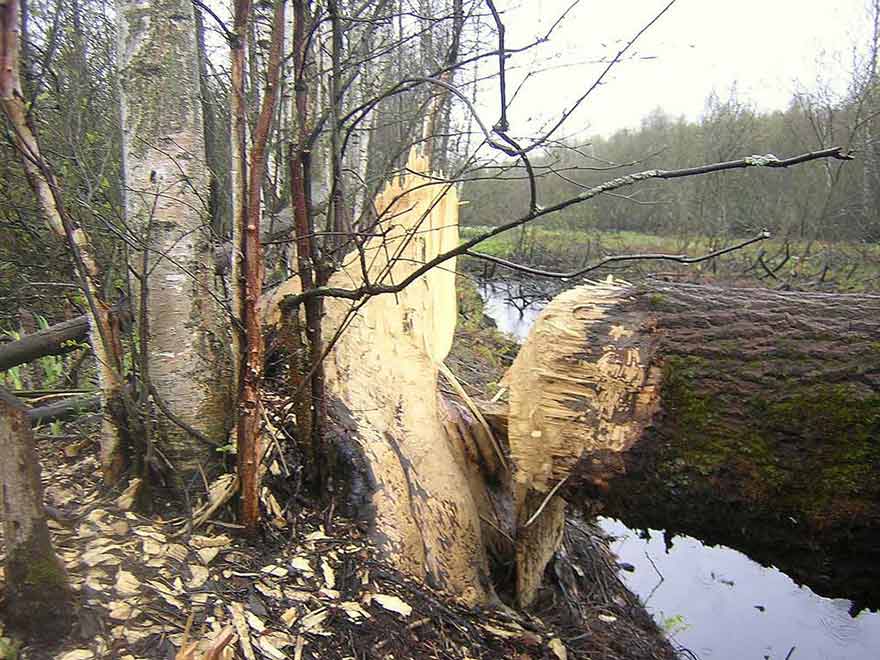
x=774 y=263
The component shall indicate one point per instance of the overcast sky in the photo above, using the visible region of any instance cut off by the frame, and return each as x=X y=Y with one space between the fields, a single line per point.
x=768 y=48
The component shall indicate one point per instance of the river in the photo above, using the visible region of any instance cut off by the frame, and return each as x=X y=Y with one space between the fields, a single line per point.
x=713 y=600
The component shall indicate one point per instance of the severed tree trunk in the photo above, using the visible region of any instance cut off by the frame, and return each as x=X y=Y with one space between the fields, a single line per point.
x=38 y=600
x=397 y=462
x=182 y=322
x=748 y=417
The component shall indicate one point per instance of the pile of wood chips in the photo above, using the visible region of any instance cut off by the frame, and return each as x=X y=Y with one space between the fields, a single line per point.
x=147 y=587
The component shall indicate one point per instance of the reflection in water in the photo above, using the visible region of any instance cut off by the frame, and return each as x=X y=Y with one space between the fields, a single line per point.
x=716 y=601
x=721 y=604
x=498 y=305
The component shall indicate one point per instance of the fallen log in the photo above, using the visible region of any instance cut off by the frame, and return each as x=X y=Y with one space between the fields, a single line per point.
x=63 y=409
x=57 y=339
x=752 y=414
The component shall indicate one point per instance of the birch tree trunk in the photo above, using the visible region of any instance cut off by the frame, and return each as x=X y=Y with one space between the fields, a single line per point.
x=166 y=207
x=37 y=594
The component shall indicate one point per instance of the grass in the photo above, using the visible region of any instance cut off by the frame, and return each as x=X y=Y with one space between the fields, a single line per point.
x=827 y=266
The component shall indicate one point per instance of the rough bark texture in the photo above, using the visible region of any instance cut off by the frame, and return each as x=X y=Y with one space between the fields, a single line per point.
x=166 y=196
x=750 y=414
x=37 y=595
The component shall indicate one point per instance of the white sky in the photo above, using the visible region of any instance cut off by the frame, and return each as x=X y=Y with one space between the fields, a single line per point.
x=768 y=48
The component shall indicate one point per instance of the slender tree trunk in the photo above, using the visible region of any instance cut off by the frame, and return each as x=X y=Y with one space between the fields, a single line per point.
x=312 y=406
x=166 y=205
x=38 y=600
x=249 y=404
x=238 y=119
x=104 y=334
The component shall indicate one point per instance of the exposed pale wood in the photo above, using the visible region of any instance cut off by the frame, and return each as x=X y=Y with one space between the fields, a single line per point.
x=385 y=370
x=689 y=407
x=567 y=399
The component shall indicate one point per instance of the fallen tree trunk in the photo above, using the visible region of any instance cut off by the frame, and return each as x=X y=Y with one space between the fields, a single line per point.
x=63 y=409
x=752 y=413
x=57 y=339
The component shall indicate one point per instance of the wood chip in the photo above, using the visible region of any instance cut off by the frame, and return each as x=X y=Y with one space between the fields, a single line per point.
x=277 y=571
x=312 y=622
x=236 y=610
x=268 y=590
x=219 y=541
x=303 y=565
x=329 y=575
x=199 y=575
x=152 y=547
x=256 y=623
x=78 y=654
x=290 y=615
x=558 y=649
x=126 y=500
x=126 y=584
x=354 y=611
x=269 y=649
x=121 y=610
x=207 y=555
x=392 y=604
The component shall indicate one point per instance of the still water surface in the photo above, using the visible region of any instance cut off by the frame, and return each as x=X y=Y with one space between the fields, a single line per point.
x=716 y=601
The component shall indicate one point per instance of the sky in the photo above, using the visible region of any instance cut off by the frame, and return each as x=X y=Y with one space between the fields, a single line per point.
x=768 y=49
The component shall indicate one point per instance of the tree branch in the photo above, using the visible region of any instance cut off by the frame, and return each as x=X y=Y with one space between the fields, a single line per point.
x=679 y=258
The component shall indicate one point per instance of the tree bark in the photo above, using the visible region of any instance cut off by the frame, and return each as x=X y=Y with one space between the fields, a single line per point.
x=166 y=207
x=751 y=413
x=38 y=600
x=55 y=340
x=63 y=409
x=104 y=335
x=58 y=339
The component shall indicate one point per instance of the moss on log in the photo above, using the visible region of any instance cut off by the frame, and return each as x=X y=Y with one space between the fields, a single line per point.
x=749 y=417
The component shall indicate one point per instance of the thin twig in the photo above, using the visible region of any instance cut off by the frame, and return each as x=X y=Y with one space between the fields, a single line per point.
x=678 y=258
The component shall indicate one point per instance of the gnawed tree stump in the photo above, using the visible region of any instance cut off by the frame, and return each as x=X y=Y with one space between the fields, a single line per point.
x=37 y=596
x=421 y=493
x=747 y=408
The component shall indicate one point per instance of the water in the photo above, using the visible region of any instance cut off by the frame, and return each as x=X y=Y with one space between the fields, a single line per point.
x=497 y=305
x=720 y=604
x=714 y=600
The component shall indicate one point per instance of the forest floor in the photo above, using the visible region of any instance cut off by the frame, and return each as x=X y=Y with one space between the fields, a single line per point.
x=151 y=586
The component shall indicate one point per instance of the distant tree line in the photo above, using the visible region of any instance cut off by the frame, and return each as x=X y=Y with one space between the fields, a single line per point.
x=820 y=202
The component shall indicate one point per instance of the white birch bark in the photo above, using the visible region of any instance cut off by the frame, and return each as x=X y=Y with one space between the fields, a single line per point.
x=166 y=208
